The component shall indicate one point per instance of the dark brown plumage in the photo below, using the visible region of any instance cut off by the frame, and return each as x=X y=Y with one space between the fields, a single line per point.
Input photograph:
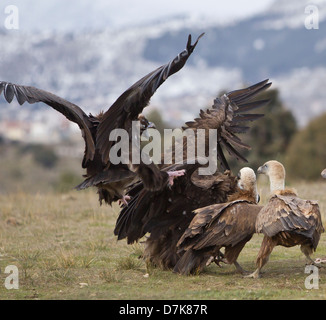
x=230 y=225
x=110 y=179
x=166 y=214
x=286 y=219
x=227 y=116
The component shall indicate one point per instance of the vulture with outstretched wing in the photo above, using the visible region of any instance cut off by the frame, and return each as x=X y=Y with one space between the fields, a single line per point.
x=167 y=213
x=230 y=225
x=109 y=177
x=286 y=219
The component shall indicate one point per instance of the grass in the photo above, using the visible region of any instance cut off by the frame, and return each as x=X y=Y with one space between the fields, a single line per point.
x=64 y=248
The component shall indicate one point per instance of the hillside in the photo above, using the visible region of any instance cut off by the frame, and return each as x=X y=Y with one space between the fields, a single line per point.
x=92 y=68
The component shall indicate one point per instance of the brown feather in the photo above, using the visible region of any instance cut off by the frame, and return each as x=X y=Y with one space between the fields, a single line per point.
x=166 y=214
x=224 y=116
x=287 y=220
x=111 y=180
x=291 y=214
x=132 y=102
x=229 y=225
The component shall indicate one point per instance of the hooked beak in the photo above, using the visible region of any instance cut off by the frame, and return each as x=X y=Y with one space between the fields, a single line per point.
x=258 y=198
x=151 y=125
x=260 y=170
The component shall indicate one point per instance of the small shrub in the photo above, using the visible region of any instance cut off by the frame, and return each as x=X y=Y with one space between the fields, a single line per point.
x=128 y=263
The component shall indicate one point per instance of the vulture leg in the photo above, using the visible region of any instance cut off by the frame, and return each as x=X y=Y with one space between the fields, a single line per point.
x=239 y=268
x=307 y=251
x=174 y=174
x=232 y=253
x=266 y=249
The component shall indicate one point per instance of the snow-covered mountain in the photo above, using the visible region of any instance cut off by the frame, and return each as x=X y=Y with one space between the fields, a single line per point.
x=92 y=68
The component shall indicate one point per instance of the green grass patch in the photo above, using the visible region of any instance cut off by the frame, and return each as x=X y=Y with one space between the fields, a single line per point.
x=64 y=248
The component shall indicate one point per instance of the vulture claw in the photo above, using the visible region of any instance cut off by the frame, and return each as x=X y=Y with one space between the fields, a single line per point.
x=320 y=260
x=174 y=174
x=124 y=200
x=219 y=258
x=254 y=275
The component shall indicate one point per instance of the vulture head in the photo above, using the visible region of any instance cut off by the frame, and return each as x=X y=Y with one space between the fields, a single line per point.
x=323 y=173
x=145 y=124
x=247 y=182
x=276 y=173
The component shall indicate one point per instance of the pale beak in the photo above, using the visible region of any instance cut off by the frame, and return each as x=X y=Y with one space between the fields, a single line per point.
x=151 y=125
x=260 y=170
x=258 y=198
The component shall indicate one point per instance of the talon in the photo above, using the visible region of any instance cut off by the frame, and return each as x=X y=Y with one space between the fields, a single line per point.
x=254 y=275
x=174 y=174
x=218 y=260
x=124 y=200
x=320 y=260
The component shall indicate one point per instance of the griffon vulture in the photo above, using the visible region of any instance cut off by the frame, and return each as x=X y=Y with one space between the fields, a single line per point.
x=167 y=213
x=110 y=179
x=286 y=219
x=230 y=225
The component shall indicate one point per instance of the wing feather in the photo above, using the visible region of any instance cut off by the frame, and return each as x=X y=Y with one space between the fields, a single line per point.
x=136 y=98
x=220 y=225
x=291 y=214
x=71 y=111
x=227 y=115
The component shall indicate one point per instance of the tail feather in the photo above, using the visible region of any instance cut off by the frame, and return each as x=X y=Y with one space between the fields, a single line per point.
x=191 y=262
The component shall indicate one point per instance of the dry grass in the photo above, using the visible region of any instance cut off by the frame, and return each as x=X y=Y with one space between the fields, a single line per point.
x=64 y=248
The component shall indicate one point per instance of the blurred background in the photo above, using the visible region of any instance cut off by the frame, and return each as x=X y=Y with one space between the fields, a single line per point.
x=89 y=52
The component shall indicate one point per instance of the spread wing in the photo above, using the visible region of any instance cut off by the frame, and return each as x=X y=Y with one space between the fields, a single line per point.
x=228 y=115
x=71 y=111
x=289 y=213
x=166 y=214
x=128 y=106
